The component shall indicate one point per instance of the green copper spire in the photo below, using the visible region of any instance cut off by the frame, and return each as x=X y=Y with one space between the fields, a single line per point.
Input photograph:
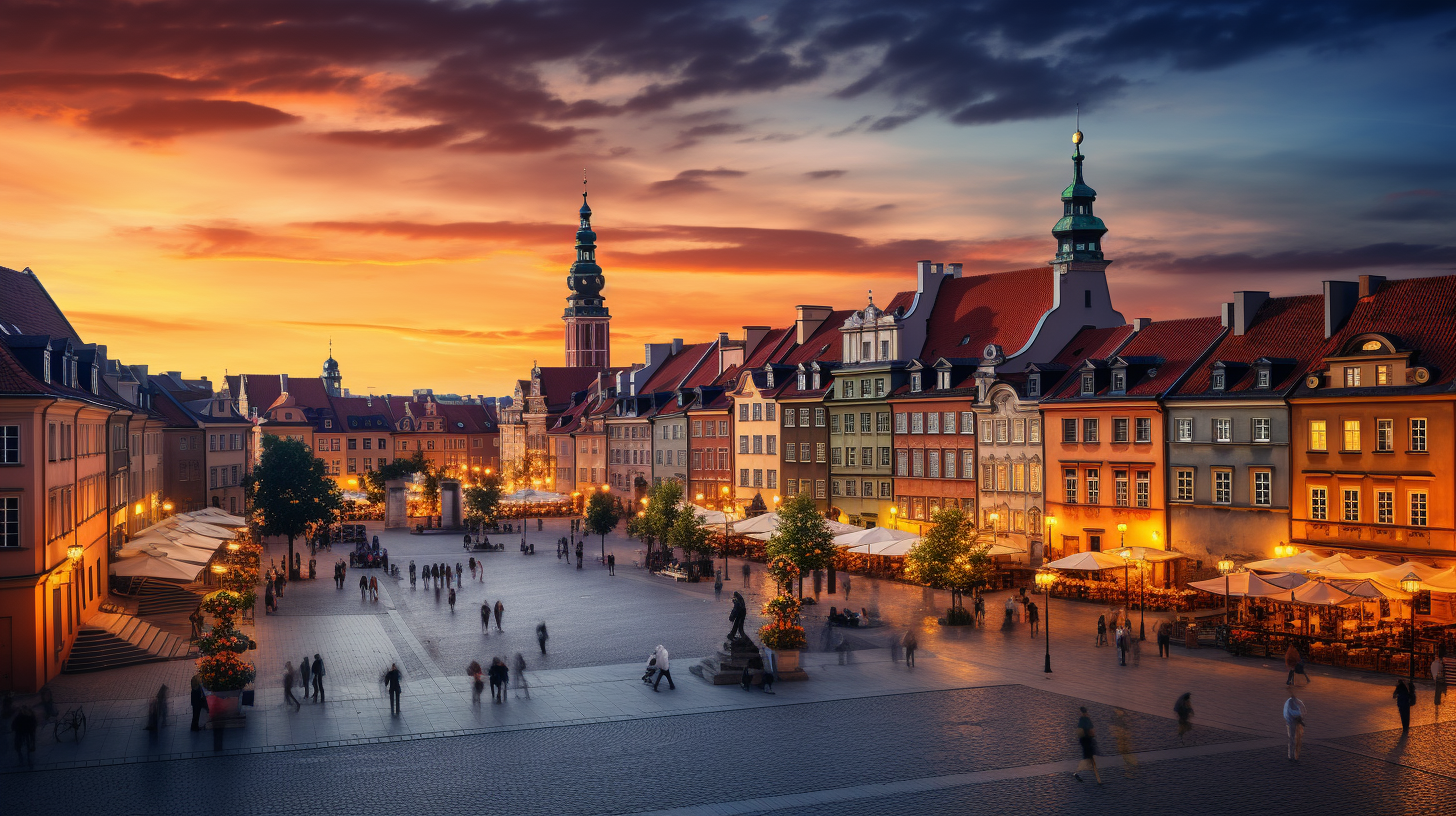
x=585 y=278
x=1079 y=232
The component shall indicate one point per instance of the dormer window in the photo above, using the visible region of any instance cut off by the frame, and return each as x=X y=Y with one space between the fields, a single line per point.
x=769 y=378
x=817 y=386
x=803 y=380
x=1119 y=381
x=915 y=382
x=45 y=365
x=1218 y=380
x=1261 y=379
x=328 y=423
x=1089 y=384
x=942 y=380
x=966 y=341
x=1033 y=385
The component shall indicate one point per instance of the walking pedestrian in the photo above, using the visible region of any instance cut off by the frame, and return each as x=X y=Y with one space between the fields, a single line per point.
x=452 y=600
x=500 y=610
x=518 y=664
x=1294 y=724
x=459 y=575
x=745 y=575
x=477 y=684
x=611 y=563
x=541 y=636
x=1121 y=643
x=199 y=701
x=373 y=588
x=412 y=573
x=846 y=587
x=269 y=605
x=1101 y=630
x=305 y=674
x=1123 y=734
x=1087 y=740
x=911 y=644
x=662 y=668
x=737 y=616
x=1033 y=616
x=1165 y=637
x=289 y=676
x=363 y=587
x=1184 y=709
x=1438 y=674
x=485 y=617
x=1405 y=698
x=391 y=684
x=318 y=678
x=23 y=728
x=499 y=676
x=1295 y=664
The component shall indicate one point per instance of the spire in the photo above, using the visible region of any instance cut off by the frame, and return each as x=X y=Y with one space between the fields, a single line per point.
x=586 y=315
x=1079 y=232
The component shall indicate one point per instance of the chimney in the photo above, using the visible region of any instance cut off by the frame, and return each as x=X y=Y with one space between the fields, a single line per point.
x=1246 y=305
x=752 y=336
x=926 y=275
x=809 y=319
x=1140 y=323
x=1340 y=299
x=677 y=345
x=283 y=382
x=1369 y=284
x=953 y=270
x=1227 y=314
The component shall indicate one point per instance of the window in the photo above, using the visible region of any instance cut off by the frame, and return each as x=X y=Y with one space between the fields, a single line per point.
x=819 y=489
x=1094 y=486
x=834 y=423
x=1351 y=504
x=836 y=455
x=1033 y=386
x=1069 y=476
x=917 y=462
x=902 y=463
x=950 y=464
x=882 y=422
x=1261 y=429
x=757 y=412
x=1183 y=429
x=968 y=422
x=9 y=445
x=819 y=451
x=9 y=521
x=1418 y=508
x=743 y=477
x=789 y=418
x=791 y=486
x=1352 y=376
x=915 y=382
x=867 y=457
x=884 y=349
x=917 y=423
x=902 y=423
x=1318 y=503
x=1317 y=436
x=1218 y=380
x=1089 y=430
x=1018 y=478
x=1352 y=436
x=697 y=461
x=1144 y=488
x=880 y=381
x=1018 y=430
x=1001 y=432
x=864 y=422
x=1385 y=435
x=758 y=443
x=803 y=418
x=723 y=427
x=1144 y=426
x=838 y=488
x=849 y=423
x=1002 y=482
x=1119 y=429
x=1035 y=433
x=968 y=464
x=1119 y=381
x=1418 y=435
x=803 y=451
x=758 y=477
x=743 y=412
x=1261 y=379
x=803 y=381
x=1223 y=430
x=1223 y=486
x=353 y=443
x=884 y=490
x=1263 y=488
x=849 y=455
x=1385 y=507
x=743 y=443
x=932 y=464
x=1089 y=384
x=932 y=422
x=1069 y=430
x=353 y=465
x=1183 y=485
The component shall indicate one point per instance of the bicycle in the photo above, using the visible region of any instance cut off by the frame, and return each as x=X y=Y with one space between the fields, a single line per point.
x=72 y=723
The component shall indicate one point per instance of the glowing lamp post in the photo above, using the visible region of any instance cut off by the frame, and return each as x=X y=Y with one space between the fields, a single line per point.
x=894 y=518
x=75 y=552
x=1045 y=580
x=1225 y=567
x=1411 y=583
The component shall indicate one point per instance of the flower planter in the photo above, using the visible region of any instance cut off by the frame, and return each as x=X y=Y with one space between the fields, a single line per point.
x=788 y=661
x=224 y=705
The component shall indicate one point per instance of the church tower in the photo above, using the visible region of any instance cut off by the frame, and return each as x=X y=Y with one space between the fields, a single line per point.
x=1079 y=232
x=588 y=334
x=333 y=380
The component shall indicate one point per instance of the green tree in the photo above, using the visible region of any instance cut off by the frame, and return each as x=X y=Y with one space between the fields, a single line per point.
x=375 y=480
x=952 y=555
x=662 y=511
x=483 y=497
x=290 y=490
x=602 y=517
x=691 y=534
x=803 y=537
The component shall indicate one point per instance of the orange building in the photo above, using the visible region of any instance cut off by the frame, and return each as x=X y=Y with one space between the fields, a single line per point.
x=1103 y=437
x=1373 y=422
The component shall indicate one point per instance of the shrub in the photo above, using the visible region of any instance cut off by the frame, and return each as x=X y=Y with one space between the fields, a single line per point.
x=224 y=671
x=958 y=616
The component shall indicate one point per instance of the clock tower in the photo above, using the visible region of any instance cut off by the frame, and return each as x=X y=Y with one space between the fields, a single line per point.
x=588 y=333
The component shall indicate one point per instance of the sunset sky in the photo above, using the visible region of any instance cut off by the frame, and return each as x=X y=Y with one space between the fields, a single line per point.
x=208 y=185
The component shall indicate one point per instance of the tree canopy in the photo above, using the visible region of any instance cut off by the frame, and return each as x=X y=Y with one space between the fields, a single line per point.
x=290 y=491
x=662 y=510
x=375 y=480
x=803 y=536
x=690 y=533
x=952 y=555
x=483 y=497
x=601 y=515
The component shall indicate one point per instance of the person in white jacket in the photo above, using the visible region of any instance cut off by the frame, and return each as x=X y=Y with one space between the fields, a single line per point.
x=662 y=669
x=1294 y=723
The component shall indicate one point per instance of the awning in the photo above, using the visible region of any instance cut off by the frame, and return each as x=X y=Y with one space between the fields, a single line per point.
x=147 y=565
x=166 y=549
x=529 y=496
x=215 y=515
x=1087 y=562
x=1149 y=554
x=1299 y=562
x=1247 y=585
x=1371 y=589
x=1319 y=593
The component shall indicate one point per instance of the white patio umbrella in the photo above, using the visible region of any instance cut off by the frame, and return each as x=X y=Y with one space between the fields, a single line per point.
x=873 y=535
x=1299 y=562
x=215 y=515
x=147 y=565
x=1371 y=589
x=1247 y=584
x=1319 y=593
x=166 y=549
x=1089 y=561
x=529 y=496
x=711 y=517
x=209 y=530
x=766 y=523
x=1150 y=554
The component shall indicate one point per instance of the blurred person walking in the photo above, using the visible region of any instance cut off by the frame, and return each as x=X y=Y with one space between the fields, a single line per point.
x=289 y=676
x=1123 y=734
x=391 y=685
x=1294 y=724
x=1087 y=741
x=318 y=678
x=1184 y=709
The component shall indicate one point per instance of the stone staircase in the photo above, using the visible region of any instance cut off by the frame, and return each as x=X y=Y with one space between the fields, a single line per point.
x=109 y=640
x=163 y=597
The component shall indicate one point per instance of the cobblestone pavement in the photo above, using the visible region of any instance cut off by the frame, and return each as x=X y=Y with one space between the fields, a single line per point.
x=976 y=721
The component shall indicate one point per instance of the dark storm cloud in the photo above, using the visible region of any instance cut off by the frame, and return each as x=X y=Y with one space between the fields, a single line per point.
x=1372 y=256
x=693 y=135
x=161 y=119
x=817 y=175
x=691 y=181
x=480 y=65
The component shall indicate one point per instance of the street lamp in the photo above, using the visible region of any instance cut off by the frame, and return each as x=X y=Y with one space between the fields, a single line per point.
x=894 y=520
x=1045 y=579
x=1051 y=522
x=75 y=552
x=1284 y=550
x=1411 y=583
x=1225 y=567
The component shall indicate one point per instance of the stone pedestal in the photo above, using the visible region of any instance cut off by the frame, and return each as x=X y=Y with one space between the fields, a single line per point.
x=396 y=504
x=451 y=505
x=726 y=667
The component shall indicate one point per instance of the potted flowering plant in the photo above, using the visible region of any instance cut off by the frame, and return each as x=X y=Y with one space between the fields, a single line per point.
x=224 y=675
x=223 y=639
x=783 y=632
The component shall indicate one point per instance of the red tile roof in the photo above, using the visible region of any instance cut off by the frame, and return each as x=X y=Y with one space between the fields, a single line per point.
x=1181 y=344
x=558 y=383
x=1420 y=314
x=901 y=300
x=1290 y=328
x=826 y=344
x=28 y=305
x=771 y=349
x=674 y=370
x=1092 y=344
x=707 y=373
x=1002 y=308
